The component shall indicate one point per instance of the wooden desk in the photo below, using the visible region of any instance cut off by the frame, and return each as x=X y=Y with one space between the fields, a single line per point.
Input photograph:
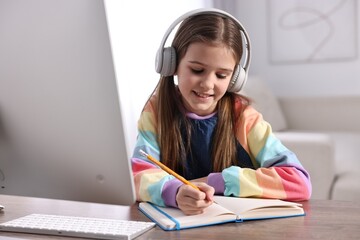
x=324 y=220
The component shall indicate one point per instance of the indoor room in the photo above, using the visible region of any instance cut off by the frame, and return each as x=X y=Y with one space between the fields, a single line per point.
x=77 y=137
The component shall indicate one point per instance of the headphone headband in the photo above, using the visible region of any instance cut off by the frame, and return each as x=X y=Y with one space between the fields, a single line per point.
x=164 y=54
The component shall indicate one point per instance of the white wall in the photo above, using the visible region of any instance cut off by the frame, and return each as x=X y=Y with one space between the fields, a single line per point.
x=136 y=30
x=295 y=79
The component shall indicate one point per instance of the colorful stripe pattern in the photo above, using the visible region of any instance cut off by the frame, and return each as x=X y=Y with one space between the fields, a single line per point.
x=278 y=173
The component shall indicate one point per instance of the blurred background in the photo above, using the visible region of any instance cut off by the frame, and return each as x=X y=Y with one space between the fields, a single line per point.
x=299 y=50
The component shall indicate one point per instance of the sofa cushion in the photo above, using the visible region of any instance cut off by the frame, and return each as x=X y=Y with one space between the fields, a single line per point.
x=347 y=151
x=346 y=187
x=265 y=102
x=327 y=113
x=347 y=166
x=315 y=151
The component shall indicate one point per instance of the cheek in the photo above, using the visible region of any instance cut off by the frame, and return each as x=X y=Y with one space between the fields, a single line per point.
x=223 y=86
x=184 y=85
x=185 y=80
x=181 y=82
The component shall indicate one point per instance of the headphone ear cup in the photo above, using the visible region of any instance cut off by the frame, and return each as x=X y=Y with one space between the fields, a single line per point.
x=167 y=66
x=238 y=79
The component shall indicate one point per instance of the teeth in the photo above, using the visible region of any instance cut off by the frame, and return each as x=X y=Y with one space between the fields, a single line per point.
x=202 y=95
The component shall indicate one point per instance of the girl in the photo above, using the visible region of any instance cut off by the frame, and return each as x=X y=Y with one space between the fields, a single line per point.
x=206 y=133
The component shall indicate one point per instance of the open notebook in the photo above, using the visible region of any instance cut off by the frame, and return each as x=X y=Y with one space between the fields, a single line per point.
x=226 y=209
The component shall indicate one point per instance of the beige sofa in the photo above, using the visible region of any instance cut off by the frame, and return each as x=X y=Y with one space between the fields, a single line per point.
x=324 y=132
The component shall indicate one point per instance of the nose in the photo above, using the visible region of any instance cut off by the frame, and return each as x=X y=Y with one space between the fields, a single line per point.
x=208 y=81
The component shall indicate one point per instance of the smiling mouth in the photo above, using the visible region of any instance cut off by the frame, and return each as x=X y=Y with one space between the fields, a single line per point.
x=203 y=95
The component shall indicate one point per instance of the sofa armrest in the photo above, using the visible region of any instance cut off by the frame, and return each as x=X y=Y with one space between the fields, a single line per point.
x=334 y=113
x=316 y=153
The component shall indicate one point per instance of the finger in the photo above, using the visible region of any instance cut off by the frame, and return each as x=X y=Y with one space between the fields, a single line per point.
x=191 y=203
x=193 y=193
x=190 y=210
x=195 y=204
x=208 y=190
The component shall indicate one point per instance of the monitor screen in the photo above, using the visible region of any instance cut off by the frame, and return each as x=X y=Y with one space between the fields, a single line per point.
x=61 y=124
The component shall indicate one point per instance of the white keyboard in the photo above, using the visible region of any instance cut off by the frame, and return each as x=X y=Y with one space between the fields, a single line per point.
x=97 y=228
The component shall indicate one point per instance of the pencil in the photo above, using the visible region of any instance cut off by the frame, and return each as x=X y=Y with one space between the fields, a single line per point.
x=166 y=169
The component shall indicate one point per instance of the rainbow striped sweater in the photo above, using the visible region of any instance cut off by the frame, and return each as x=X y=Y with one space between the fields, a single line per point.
x=276 y=171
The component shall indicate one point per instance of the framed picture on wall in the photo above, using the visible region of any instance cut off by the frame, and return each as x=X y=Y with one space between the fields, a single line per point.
x=307 y=31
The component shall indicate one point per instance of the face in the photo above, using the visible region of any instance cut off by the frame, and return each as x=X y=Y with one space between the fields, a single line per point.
x=204 y=75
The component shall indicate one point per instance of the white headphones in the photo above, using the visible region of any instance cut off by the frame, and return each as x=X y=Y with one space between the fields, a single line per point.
x=165 y=62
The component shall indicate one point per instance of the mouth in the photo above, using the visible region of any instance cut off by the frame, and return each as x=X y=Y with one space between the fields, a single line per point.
x=203 y=95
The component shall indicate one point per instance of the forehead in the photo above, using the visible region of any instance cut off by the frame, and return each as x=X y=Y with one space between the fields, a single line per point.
x=210 y=54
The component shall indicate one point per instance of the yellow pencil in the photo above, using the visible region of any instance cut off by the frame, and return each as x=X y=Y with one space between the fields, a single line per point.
x=166 y=169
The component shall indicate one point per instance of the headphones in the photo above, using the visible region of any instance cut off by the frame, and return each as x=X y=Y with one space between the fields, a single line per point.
x=165 y=62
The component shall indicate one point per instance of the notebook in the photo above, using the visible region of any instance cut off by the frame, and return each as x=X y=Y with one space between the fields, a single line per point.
x=224 y=210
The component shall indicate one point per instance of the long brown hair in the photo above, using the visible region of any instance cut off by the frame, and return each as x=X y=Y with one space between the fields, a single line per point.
x=171 y=118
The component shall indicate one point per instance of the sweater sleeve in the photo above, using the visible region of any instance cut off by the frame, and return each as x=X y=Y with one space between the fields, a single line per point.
x=278 y=172
x=152 y=184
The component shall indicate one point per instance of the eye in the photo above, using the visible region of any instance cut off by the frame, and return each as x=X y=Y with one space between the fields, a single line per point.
x=221 y=76
x=197 y=71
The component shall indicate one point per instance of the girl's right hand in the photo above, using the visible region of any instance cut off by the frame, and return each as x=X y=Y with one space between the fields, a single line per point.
x=192 y=201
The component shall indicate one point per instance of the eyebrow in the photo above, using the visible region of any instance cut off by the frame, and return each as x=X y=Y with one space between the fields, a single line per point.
x=200 y=63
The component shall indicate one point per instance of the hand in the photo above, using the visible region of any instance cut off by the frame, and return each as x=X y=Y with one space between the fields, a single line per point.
x=192 y=201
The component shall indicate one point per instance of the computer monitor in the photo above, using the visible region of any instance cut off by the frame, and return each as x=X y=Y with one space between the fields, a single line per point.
x=61 y=126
